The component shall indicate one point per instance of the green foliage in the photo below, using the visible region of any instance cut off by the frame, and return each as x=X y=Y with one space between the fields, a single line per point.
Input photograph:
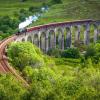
x=4 y=35
x=16 y=12
x=54 y=52
x=46 y=83
x=67 y=79
x=56 y=1
x=70 y=53
x=23 y=0
x=90 y=52
x=22 y=14
x=10 y=89
x=93 y=52
x=0 y=37
x=63 y=12
x=67 y=61
x=34 y=9
x=25 y=54
x=90 y=80
x=97 y=47
x=87 y=93
x=42 y=81
x=7 y=7
x=8 y=25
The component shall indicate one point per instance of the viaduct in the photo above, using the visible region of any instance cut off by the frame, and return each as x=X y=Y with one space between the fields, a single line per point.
x=47 y=37
x=60 y=34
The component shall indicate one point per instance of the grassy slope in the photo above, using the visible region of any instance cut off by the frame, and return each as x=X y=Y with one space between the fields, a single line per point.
x=68 y=10
x=72 y=10
x=8 y=7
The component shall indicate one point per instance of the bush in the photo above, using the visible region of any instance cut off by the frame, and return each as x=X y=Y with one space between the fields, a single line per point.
x=70 y=53
x=23 y=0
x=88 y=93
x=47 y=84
x=25 y=54
x=56 y=1
x=1 y=38
x=7 y=25
x=97 y=47
x=93 y=52
x=54 y=52
x=90 y=52
x=42 y=82
x=10 y=88
x=34 y=9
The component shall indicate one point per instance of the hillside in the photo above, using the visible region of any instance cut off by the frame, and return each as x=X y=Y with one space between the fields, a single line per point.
x=68 y=10
x=8 y=7
x=72 y=10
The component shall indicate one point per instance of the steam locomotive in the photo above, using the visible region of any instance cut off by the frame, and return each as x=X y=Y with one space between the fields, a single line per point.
x=21 y=31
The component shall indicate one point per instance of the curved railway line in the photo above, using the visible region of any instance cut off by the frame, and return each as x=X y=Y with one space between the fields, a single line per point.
x=4 y=65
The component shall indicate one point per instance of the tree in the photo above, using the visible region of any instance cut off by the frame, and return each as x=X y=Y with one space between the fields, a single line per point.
x=34 y=9
x=90 y=52
x=56 y=1
x=42 y=82
x=71 y=53
x=8 y=25
x=93 y=52
x=10 y=88
x=23 y=0
x=25 y=54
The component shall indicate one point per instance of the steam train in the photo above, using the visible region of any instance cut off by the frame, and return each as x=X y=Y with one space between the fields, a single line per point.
x=21 y=31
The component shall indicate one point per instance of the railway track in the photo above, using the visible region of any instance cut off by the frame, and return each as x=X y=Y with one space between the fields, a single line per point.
x=4 y=65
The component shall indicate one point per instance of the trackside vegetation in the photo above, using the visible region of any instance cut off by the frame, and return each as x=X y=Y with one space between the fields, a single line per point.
x=57 y=78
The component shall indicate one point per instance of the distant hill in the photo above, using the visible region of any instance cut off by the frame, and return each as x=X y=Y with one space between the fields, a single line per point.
x=8 y=7
x=68 y=10
x=72 y=10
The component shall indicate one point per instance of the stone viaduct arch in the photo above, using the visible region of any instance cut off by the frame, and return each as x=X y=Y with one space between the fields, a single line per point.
x=60 y=35
x=36 y=40
x=51 y=39
x=29 y=39
x=43 y=41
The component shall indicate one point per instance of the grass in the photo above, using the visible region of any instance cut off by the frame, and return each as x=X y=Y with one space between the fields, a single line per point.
x=72 y=10
x=67 y=61
x=8 y=7
x=67 y=11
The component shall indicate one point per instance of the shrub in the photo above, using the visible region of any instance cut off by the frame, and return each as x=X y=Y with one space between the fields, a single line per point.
x=97 y=47
x=8 y=24
x=70 y=53
x=25 y=54
x=23 y=0
x=54 y=52
x=87 y=93
x=80 y=45
x=1 y=38
x=90 y=52
x=93 y=52
x=33 y=9
x=56 y=1
x=42 y=82
x=10 y=88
